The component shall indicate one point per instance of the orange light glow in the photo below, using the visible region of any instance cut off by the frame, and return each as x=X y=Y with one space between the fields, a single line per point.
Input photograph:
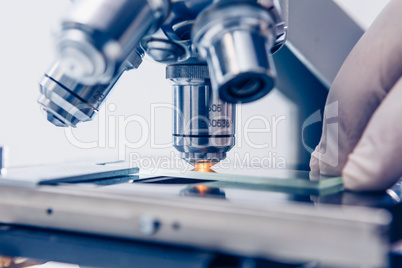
x=202 y=189
x=204 y=167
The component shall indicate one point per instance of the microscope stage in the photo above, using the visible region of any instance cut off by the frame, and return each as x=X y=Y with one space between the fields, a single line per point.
x=275 y=214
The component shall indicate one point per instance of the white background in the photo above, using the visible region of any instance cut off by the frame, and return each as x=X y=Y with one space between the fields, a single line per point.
x=26 y=51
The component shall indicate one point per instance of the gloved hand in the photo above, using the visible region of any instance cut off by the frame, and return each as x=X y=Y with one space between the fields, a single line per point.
x=366 y=146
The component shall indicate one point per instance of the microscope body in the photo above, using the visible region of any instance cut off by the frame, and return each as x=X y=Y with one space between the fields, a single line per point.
x=218 y=53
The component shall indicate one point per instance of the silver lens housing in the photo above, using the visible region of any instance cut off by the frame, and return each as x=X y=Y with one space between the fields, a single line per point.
x=98 y=35
x=68 y=102
x=204 y=125
x=236 y=38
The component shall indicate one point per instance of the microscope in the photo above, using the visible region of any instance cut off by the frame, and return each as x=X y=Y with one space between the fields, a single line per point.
x=217 y=54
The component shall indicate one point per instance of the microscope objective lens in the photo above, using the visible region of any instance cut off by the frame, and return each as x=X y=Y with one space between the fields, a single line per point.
x=218 y=54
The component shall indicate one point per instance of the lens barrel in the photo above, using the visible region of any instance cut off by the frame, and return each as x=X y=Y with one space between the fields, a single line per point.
x=204 y=125
x=67 y=102
x=96 y=36
x=235 y=38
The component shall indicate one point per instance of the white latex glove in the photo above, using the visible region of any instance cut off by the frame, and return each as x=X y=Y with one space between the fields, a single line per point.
x=366 y=147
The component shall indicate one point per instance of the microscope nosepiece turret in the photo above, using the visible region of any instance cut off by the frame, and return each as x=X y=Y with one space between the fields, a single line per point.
x=219 y=53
